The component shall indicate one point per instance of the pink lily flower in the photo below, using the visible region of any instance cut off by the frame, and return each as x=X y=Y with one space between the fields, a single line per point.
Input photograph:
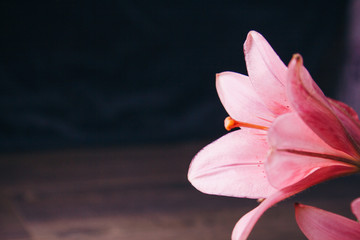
x=237 y=164
x=317 y=142
x=318 y=224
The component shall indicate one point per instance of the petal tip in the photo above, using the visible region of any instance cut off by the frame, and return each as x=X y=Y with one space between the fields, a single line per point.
x=249 y=40
x=217 y=75
x=251 y=36
x=297 y=58
x=253 y=33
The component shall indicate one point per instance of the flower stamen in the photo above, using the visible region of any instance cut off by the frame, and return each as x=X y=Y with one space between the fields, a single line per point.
x=231 y=123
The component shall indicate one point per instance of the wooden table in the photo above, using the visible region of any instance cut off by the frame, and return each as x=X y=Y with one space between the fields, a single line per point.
x=135 y=193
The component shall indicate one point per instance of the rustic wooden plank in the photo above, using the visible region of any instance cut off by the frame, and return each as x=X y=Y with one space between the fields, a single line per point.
x=138 y=193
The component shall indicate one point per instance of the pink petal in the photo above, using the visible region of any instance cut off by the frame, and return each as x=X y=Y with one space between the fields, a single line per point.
x=347 y=109
x=240 y=99
x=290 y=132
x=355 y=207
x=297 y=151
x=292 y=168
x=350 y=121
x=267 y=73
x=316 y=223
x=314 y=108
x=244 y=226
x=230 y=166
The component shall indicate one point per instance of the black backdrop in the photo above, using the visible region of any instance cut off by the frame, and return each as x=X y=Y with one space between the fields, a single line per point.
x=95 y=73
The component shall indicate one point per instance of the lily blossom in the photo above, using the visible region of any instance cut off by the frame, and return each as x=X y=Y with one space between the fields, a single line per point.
x=305 y=150
x=317 y=224
x=268 y=107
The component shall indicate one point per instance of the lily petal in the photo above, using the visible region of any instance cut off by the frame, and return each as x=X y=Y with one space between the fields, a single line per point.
x=317 y=224
x=220 y=168
x=315 y=110
x=240 y=99
x=355 y=208
x=298 y=151
x=350 y=121
x=267 y=73
x=345 y=108
x=244 y=226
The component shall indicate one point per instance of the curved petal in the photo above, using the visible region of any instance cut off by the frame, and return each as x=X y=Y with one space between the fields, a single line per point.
x=316 y=224
x=287 y=168
x=244 y=226
x=240 y=100
x=267 y=73
x=230 y=166
x=290 y=132
x=350 y=121
x=297 y=151
x=355 y=208
x=315 y=110
x=345 y=108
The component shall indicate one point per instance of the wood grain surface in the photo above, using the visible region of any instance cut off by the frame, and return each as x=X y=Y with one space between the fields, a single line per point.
x=135 y=193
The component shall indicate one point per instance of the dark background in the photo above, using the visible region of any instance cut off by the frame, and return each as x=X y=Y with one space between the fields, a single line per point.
x=99 y=73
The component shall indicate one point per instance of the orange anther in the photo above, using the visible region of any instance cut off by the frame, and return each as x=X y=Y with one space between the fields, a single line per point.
x=231 y=123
